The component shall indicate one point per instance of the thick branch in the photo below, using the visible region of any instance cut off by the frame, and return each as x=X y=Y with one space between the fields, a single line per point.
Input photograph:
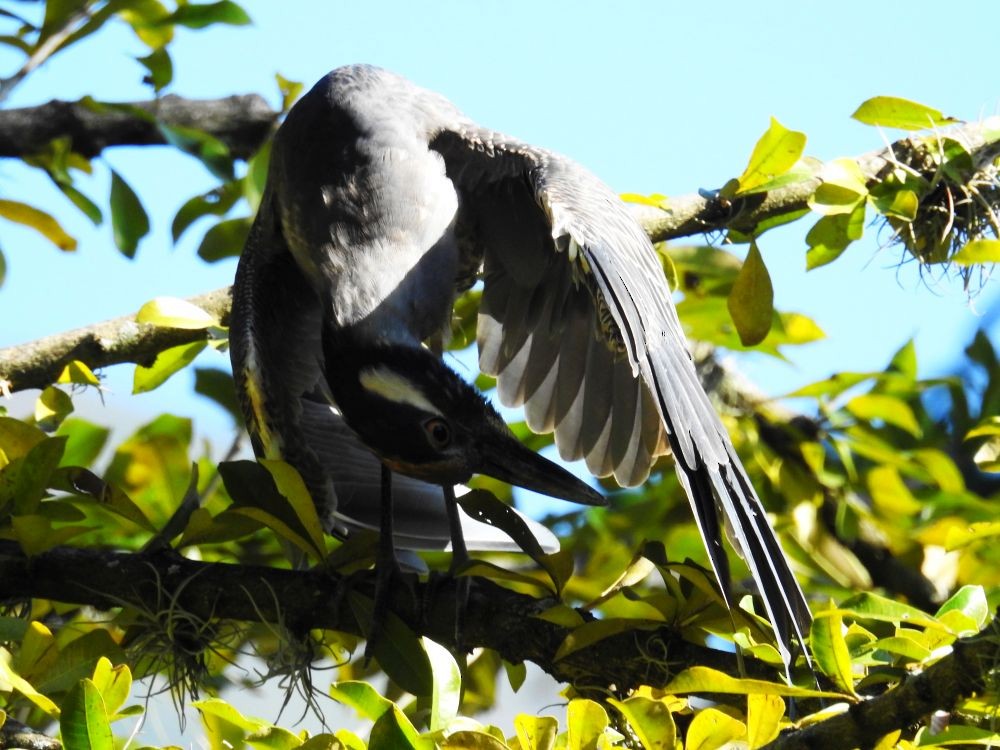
x=38 y=363
x=495 y=617
x=939 y=688
x=241 y=122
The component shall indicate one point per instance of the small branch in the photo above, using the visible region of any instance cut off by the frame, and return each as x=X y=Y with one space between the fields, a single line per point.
x=44 y=51
x=38 y=363
x=243 y=123
x=18 y=736
x=495 y=617
x=940 y=687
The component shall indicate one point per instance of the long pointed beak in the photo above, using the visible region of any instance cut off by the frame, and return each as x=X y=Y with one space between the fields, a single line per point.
x=504 y=458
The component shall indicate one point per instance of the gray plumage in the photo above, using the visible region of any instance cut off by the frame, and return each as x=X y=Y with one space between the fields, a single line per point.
x=384 y=202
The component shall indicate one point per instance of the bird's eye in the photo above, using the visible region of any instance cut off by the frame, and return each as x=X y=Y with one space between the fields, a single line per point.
x=438 y=432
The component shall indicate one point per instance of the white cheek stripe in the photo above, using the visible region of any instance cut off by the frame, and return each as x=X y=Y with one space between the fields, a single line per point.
x=394 y=387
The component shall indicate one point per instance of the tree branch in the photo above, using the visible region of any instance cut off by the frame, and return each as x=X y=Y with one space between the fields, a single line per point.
x=243 y=123
x=689 y=215
x=939 y=687
x=39 y=363
x=495 y=617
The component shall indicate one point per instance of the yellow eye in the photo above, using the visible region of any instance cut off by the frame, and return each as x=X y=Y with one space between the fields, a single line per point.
x=438 y=432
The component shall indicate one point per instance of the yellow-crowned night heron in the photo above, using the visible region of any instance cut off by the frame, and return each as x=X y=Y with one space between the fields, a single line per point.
x=382 y=203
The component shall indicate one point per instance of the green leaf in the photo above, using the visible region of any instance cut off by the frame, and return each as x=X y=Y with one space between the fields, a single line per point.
x=114 y=684
x=586 y=721
x=831 y=235
x=289 y=483
x=393 y=731
x=958 y=735
x=16 y=439
x=223 y=710
x=889 y=409
x=362 y=697
x=84 y=441
x=145 y=17
x=901 y=204
x=890 y=495
x=978 y=251
x=751 y=301
x=895 y=112
x=129 y=221
x=83 y=723
x=711 y=729
x=41 y=222
x=651 y=720
x=167 y=363
x=36 y=534
x=483 y=505
x=24 y=480
x=842 y=188
x=224 y=240
x=215 y=202
x=971 y=601
x=200 y=15
x=516 y=674
x=830 y=651
x=290 y=91
x=78 y=373
x=52 y=407
x=397 y=649
x=3 y=268
x=160 y=67
x=446 y=691
x=255 y=495
x=536 y=732
x=469 y=739
x=204 y=147
x=172 y=312
x=84 y=482
x=596 y=630
x=875 y=607
x=218 y=386
x=9 y=677
x=775 y=153
x=256 y=177
x=82 y=202
x=706 y=680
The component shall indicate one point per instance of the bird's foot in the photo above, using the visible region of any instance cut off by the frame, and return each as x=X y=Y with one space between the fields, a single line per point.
x=389 y=578
x=436 y=590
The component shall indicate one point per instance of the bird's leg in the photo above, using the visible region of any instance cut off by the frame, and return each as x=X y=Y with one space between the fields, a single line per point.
x=387 y=568
x=459 y=557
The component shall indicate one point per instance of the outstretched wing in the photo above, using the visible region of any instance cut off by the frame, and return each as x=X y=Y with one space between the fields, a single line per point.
x=277 y=365
x=578 y=325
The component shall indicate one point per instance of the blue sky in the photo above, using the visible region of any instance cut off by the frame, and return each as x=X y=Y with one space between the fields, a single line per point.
x=652 y=96
x=661 y=97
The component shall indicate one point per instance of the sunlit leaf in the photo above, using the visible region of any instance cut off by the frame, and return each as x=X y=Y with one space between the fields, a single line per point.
x=751 y=301
x=711 y=729
x=77 y=372
x=536 y=732
x=172 y=312
x=895 y=112
x=889 y=409
x=205 y=147
x=394 y=731
x=831 y=235
x=970 y=600
x=650 y=719
x=586 y=721
x=706 y=680
x=114 y=684
x=978 y=251
x=9 y=677
x=775 y=153
x=764 y=715
x=362 y=697
x=826 y=638
x=52 y=407
x=842 y=189
x=41 y=222
x=596 y=630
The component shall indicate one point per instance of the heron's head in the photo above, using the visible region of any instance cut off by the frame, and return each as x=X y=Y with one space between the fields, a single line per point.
x=423 y=420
